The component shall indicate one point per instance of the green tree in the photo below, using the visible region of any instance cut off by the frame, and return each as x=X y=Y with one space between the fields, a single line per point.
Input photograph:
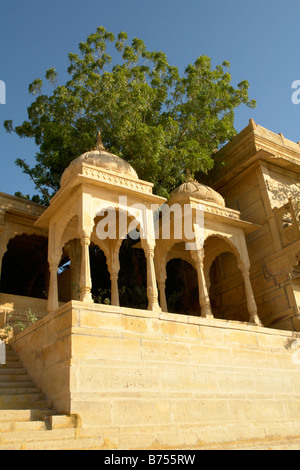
x=164 y=124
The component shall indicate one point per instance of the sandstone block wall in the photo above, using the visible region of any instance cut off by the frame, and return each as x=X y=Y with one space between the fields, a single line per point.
x=164 y=380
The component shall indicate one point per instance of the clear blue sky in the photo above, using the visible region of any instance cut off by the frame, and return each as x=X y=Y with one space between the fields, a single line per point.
x=261 y=40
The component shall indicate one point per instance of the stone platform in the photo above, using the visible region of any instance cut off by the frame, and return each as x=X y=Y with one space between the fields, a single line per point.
x=146 y=380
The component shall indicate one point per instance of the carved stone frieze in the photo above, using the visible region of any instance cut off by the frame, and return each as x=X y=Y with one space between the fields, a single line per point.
x=100 y=175
x=220 y=211
x=280 y=192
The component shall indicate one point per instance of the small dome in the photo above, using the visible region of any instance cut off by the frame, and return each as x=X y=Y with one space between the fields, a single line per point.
x=100 y=158
x=196 y=190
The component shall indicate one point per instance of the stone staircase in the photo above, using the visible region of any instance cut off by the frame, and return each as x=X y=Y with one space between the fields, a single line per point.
x=28 y=420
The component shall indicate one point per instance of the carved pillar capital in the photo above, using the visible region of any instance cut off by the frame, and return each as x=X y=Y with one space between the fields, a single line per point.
x=198 y=257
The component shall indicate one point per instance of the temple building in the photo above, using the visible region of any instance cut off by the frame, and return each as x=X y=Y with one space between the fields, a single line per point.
x=249 y=252
x=261 y=179
x=152 y=312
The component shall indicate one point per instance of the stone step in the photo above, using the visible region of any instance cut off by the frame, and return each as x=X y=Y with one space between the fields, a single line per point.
x=16 y=385
x=63 y=444
x=9 y=426
x=28 y=397
x=9 y=391
x=62 y=421
x=12 y=371
x=25 y=414
x=27 y=418
x=34 y=436
x=11 y=356
x=11 y=365
x=13 y=378
x=22 y=402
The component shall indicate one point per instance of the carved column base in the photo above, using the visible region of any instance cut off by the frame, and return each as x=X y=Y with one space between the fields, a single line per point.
x=254 y=319
x=206 y=312
x=162 y=295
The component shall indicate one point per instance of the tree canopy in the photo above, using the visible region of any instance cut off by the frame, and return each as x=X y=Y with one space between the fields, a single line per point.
x=166 y=125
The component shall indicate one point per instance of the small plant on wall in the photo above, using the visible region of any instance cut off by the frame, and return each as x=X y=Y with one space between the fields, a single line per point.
x=10 y=327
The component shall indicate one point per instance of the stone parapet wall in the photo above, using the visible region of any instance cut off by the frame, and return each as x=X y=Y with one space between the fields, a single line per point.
x=145 y=379
x=17 y=308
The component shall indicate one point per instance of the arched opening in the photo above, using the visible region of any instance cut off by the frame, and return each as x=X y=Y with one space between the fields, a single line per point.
x=101 y=284
x=132 y=280
x=182 y=292
x=119 y=235
x=64 y=279
x=227 y=290
x=25 y=267
x=69 y=273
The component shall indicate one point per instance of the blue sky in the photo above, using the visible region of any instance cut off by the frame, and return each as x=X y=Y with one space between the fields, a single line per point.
x=260 y=39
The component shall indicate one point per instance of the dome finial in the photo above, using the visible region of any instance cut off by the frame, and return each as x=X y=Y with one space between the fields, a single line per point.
x=99 y=145
x=188 y=177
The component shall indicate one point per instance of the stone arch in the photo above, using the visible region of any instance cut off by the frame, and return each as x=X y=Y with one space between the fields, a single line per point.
x=247 y=306
x=69 y=230
x=113 y=222
x=225 y=244
x=133 y=214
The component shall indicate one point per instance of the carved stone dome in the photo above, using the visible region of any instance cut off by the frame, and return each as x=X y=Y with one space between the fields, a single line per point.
x=196 y=190
x=100 y=158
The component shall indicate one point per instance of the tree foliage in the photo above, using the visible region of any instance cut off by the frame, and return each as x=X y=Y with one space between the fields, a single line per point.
x=164 y=124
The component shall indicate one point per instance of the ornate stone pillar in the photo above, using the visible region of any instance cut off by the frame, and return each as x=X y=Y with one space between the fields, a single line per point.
x=162 y=290
x=204 y=301
x=114 y=275
x=85 y=274
x=152 y=291
x=53 y=286
x=113 y=266
x=251 y=304
x=74 y=252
